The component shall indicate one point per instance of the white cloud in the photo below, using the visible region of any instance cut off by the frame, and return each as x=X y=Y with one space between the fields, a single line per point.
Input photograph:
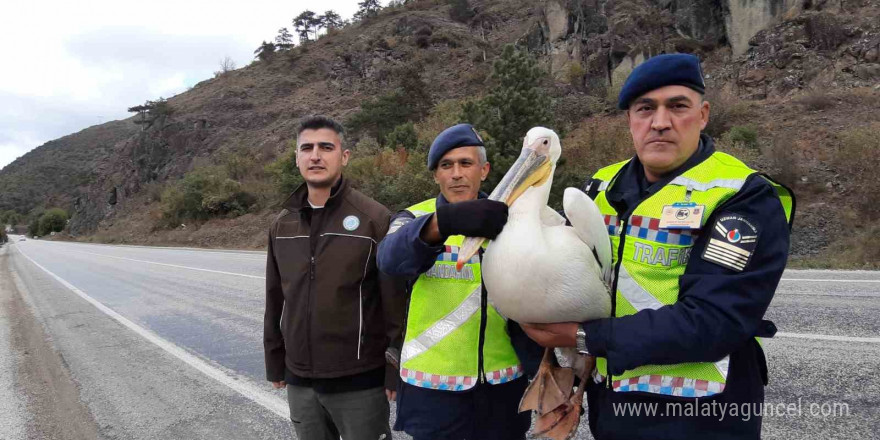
x=70 y=65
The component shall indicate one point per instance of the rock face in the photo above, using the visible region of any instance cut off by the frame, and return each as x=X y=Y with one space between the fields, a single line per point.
x=609 y=37
x=812 y=49
x=745 y=18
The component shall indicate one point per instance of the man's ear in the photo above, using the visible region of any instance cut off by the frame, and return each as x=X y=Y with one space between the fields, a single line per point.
x=484 y=172
x=704 y=114
x=345 y=155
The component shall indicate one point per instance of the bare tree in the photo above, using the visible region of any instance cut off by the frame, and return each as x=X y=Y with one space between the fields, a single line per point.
x=227 y=64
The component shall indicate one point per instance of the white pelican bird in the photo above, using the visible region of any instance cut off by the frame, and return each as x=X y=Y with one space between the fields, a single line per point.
x=538 y=270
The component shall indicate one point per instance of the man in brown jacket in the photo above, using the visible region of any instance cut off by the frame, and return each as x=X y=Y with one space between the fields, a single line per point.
x=330 y=314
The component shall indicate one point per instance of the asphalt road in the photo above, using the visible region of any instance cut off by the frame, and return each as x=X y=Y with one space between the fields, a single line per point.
x=133 y=342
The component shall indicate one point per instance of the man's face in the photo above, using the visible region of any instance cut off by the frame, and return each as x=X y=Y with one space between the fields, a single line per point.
x=459 y=174
x=320 y=157
x=665 y=125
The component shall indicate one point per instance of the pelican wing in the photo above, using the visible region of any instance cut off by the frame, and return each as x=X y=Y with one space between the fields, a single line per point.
x=549 y=217
x=589 y=225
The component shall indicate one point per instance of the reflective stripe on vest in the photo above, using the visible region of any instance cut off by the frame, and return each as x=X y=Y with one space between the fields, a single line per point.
x=443 y=327
x=654 y=259
x=440 y=351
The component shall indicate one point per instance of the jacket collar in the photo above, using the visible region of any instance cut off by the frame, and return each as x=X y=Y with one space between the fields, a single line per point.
x=299 y=199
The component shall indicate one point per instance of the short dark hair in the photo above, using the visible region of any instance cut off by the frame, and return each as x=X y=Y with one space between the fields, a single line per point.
x=318 y=122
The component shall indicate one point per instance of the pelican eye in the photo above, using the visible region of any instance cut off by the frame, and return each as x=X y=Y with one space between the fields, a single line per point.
x=545 y=142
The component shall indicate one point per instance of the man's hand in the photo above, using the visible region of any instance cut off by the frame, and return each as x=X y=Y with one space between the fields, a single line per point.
x=391 y=395
x=473 y=218
x=562 y=334
x=279 y=385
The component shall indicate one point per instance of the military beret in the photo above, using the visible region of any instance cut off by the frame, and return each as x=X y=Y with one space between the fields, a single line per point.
x=675 y=69
x=461 y=135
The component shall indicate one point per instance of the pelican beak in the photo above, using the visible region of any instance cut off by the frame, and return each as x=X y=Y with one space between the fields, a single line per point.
x=532 y=168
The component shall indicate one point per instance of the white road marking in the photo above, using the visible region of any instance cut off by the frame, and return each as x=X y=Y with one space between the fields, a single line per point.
x=240 y=384
x=831 y=281
x=257 y=255
x=828 y=337
x=173 y=265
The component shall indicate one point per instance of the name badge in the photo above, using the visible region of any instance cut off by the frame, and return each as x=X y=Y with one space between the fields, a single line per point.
x=682 y=216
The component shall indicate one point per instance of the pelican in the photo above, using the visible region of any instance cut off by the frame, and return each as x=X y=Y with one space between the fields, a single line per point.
x=538 y=270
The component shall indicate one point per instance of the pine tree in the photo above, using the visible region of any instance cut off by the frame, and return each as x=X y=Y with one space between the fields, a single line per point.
x=514 y=103
x=284 y=40
x=307 y=23
x=331 y=20
x=367 y=9
x=264 y=52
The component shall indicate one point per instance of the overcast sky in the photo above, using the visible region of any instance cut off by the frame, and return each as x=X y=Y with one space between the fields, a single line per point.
x=68 y=65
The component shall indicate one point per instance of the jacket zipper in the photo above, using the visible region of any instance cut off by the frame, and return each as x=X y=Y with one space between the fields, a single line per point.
x=483 y=303
x=622 y=236
x=361 y=304
x=313 y=269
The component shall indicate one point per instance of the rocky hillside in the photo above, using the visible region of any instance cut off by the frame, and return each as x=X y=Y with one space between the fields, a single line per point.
x=797 y=77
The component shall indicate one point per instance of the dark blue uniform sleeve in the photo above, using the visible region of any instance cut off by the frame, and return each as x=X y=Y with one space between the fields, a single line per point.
x=402 y=252
x=719 y=309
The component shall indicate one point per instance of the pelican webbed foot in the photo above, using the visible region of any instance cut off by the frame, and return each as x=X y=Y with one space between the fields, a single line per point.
x=550 y=388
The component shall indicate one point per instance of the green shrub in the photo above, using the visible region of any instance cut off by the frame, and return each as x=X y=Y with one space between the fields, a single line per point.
x=204 y=193
x=239 y=163
x=395 y=179
x=576 y=74
x=461 y=11
x=53 y=220
x=725 y=111
x=403 y=136
x=858 y=161
x=284 y=172
x=816 y=101
x=442 y=116
x=745 y=136
x=409 y=102
x=33 y=229
x=9 y=217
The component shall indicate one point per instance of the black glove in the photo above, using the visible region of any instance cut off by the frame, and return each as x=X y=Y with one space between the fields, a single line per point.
x=473 y=218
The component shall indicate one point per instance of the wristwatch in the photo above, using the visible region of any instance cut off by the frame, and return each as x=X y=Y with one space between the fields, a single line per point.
x=581 y=338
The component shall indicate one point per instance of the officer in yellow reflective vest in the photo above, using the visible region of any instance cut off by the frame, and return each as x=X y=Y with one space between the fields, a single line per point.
x=461 y=377
x=700 y=241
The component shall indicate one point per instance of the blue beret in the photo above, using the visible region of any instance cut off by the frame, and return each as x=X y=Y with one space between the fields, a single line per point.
x=461 y=135
x=675 y=69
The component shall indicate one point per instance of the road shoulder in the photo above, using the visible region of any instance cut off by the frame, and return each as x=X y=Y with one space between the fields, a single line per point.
x=51 y=397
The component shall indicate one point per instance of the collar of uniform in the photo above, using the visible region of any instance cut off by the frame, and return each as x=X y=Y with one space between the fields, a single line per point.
x=631 y=185
x=442 y=200
x=299 y=200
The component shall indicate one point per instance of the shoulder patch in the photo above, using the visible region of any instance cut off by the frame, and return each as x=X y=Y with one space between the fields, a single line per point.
x=732 y=242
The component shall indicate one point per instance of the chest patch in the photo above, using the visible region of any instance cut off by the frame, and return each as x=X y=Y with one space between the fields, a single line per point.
x=351 y=223
x=732 y=242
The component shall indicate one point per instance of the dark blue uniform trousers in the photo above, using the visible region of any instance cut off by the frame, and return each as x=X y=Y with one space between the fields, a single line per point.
x=485 y=412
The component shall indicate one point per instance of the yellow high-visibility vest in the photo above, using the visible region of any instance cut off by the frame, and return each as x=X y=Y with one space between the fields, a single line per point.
x=441 y=346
